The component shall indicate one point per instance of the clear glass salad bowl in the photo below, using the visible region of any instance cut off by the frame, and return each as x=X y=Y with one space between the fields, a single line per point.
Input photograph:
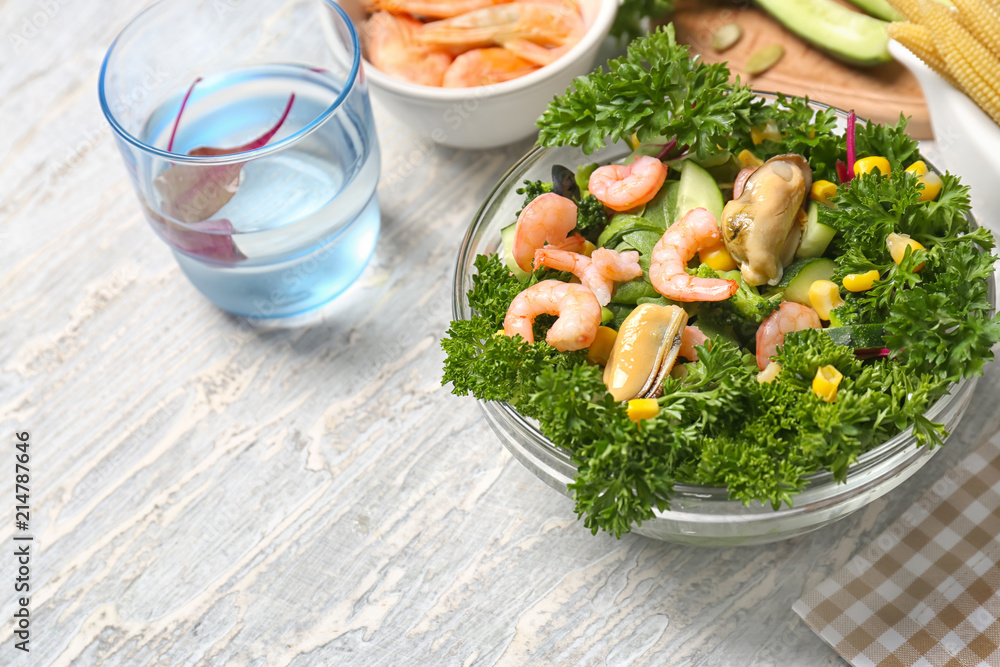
x=698 y=515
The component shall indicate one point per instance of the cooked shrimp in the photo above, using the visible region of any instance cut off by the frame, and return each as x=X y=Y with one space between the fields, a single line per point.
x=579 y=314
x=438 y=9
x=394 y=49
x=539 y=55
x=690 y=337
x=695 y=231
x=598 y=272
x=789 y=317
x=545 y=24
x=548 y=218
x=482 y=67
x=624 y=186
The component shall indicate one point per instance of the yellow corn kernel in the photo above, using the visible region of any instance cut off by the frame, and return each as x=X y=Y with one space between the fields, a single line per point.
x=588 y=248
x=867 y=164
x=822 y=191
x=642 y=408
x=859 y=282
x=769 y=131
x=826 y=382
x=898 y=243
x=932 y=187
x=931 y=181
x=824 y=296
x=718 y=258
x=770 y=372
x=748 y=159
x=633 y=141
x=500 y=332
x=600 y=349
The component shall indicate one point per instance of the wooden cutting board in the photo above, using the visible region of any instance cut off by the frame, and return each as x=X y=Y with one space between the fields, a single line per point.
x=879 y=93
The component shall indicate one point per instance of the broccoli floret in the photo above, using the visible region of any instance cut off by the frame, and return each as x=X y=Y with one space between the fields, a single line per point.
x=531 y=190
x=850 y=313
x=591 y=218
x=746 y=302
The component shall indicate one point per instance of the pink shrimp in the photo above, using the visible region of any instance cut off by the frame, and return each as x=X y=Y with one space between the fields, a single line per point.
x=548 y=218
x=624 y=186
x=483 y=67
x=579 y=314
x=598 y=272
x=690 y=337
x=789 y=317
x=393 y=48
x=433 y=8
x=695 y=231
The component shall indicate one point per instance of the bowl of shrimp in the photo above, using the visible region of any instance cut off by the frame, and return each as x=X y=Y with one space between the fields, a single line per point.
x=476 y=73
x=698 y=515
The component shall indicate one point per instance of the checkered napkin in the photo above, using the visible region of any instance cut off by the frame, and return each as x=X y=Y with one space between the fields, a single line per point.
x=926 y=592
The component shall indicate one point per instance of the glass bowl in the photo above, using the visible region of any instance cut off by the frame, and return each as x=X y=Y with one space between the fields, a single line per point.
x=698 y=515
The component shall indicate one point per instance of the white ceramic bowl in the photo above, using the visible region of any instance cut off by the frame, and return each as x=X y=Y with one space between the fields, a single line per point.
x=966 y=140
x=487 y=116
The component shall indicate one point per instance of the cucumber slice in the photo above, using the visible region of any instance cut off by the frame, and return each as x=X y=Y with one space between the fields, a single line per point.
x=697 y=189
x=622 y=223
x=816 y=236
x=880 y=9
x=800 y=275
x=858 y=336
x=507 y=245
x=841 y=32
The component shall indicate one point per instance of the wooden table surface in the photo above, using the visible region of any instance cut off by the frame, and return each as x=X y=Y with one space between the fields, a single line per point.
x=207 y=491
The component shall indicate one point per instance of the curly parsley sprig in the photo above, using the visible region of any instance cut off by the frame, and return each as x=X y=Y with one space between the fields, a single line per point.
x=656 y=90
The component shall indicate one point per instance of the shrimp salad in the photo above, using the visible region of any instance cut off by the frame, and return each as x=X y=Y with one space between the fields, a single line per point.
x=744 y=315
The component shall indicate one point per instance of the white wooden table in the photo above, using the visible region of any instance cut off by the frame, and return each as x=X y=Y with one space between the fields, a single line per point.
x=207 y=491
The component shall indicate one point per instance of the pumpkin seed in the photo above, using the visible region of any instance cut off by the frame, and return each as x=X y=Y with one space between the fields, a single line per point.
x=726 y=36
x=764 y=59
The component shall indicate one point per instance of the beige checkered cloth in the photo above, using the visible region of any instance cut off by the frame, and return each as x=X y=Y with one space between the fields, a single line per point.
x=926 y=592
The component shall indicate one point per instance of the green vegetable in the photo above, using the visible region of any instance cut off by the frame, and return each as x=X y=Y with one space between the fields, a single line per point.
x=801 y=274
x=628 y=21
x=841 y=32
x=746 y=303
x=858 y=336
x=815 y=236
x=880 y=9
x=591 y=218
x=697 y=189
x=694 y=101
x=506 y=252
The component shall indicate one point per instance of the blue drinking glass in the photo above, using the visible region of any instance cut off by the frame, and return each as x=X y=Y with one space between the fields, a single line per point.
x=248 y=135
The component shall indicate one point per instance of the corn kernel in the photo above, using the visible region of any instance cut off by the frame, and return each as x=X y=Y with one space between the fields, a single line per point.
x=749 y=160
x=588 y=248
x=931 y=181
x=770 y=372
x=600 y=349
x=643 y=408
x=859 y=282
x=500 y=332
x=826 y=382
x=822 y=191
x=633 y=141
x=932 y=187
x=769 y=131
x=867 y=164
x=824 y=296
x=898 y=243
x=718 y=258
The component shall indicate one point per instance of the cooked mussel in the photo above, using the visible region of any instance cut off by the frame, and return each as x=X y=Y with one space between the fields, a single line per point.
x=644 y=351
x=763 y=226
